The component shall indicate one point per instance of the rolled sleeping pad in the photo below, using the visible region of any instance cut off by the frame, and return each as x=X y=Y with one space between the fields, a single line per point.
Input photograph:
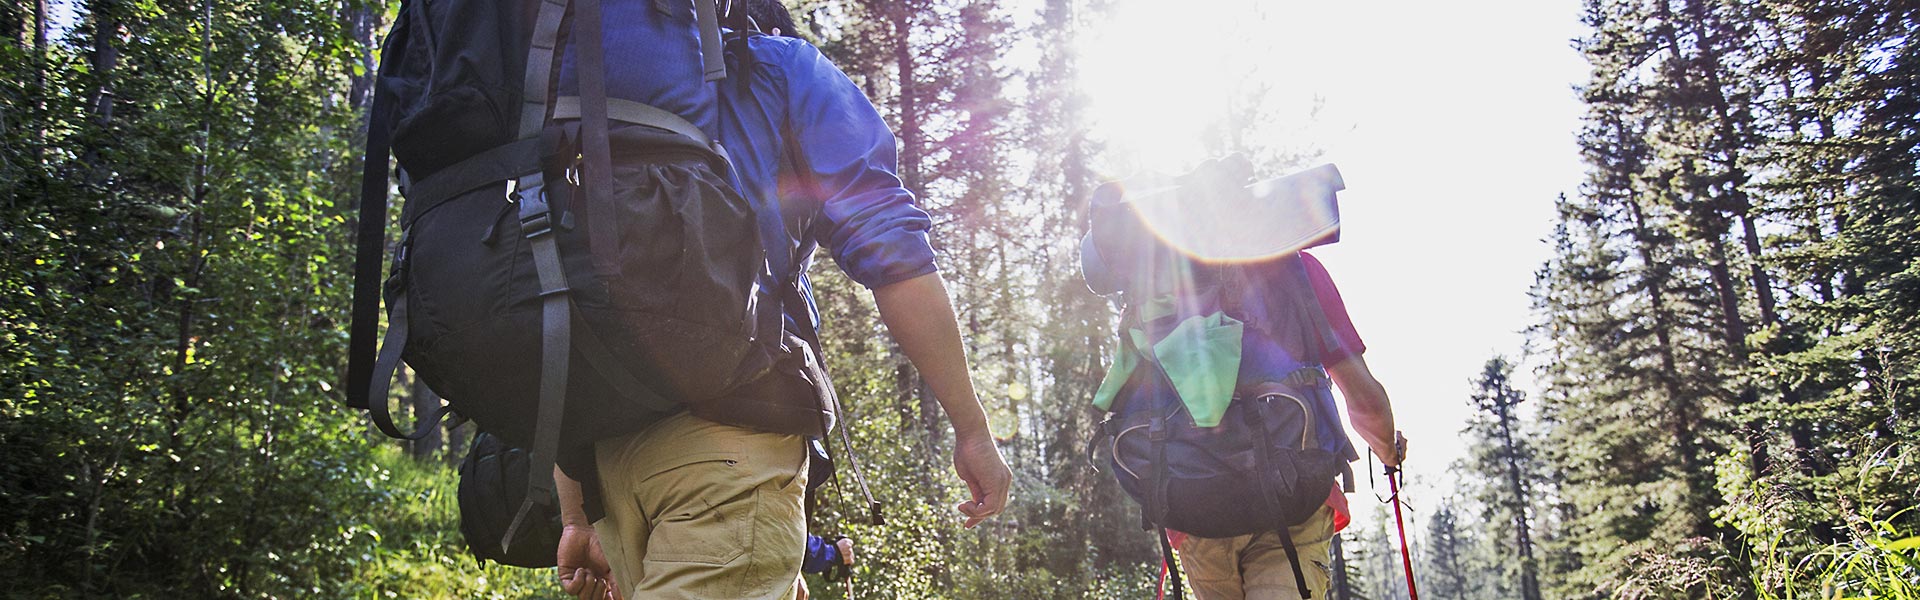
x=1263 y=219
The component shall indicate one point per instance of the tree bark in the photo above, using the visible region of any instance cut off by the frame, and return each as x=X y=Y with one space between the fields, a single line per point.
x=425 y=403
x=105 y=57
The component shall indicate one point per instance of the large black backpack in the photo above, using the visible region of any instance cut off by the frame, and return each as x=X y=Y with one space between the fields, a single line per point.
x=1263 y=459
x=553 y=294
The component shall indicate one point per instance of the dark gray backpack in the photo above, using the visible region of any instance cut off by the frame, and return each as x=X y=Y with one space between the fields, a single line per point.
x=570 y=268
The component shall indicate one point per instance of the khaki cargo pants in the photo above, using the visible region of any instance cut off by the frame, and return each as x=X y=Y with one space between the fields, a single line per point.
x=1255 y=567
x=697 y=509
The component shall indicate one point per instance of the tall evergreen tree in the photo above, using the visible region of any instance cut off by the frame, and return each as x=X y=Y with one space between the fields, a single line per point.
x=1447 y=560
x=1714 y=267
x=1505 y=460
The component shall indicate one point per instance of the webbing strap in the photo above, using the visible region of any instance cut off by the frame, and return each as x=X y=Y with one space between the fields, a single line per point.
x=1167 y=562
x=536 y=224
x=371 y=238
x=1271 y=494
x=1157 y=488
x=1308 y=301
x=628 y=111
x=383 y=368
x=1157 y=434
x=556 y=321
x=714 y=61
x=796 y=293
x=1293 y=557
x=602 y=240
x=487 y=168
x=535 y=88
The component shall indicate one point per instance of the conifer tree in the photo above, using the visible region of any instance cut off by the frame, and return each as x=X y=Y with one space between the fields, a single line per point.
x=1505 y=461
x=1447 y=561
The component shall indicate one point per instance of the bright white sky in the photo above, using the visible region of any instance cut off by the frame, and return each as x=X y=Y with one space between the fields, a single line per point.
x=1453 y=123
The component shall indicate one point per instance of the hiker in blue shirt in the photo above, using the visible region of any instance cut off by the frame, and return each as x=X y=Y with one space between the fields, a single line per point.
x=817 y=161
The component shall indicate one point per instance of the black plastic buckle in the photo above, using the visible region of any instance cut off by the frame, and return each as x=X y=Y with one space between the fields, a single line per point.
x=536 y=218
x=1309 y=376
x=537 y=224
x=1157 y=429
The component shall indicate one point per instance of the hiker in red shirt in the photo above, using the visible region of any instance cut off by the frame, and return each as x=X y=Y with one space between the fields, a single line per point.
x=1223 y=423
x=1255 y=566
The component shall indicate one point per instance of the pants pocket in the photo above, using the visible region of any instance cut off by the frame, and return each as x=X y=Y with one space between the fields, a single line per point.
x=703 y=529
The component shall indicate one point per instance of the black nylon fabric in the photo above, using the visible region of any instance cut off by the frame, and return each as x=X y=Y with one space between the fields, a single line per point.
x=1212 y=475
x=669 y=304
x=460 y=80
x=493 y=482
x=674 y=310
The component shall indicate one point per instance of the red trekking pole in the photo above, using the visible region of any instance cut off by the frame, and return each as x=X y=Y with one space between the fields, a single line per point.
x=1393 y=485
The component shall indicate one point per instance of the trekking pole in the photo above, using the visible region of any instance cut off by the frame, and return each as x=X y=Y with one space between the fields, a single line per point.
x=1399 y=522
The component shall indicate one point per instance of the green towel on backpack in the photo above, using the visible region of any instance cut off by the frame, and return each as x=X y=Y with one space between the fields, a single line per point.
x=1202 y=358
x=1124 y=362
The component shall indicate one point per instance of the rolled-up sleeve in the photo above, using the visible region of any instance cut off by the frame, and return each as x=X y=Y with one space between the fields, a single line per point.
x=869 y=222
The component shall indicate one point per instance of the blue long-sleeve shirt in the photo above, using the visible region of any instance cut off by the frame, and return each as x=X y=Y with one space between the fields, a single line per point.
x=821 y=555
x=815 y=158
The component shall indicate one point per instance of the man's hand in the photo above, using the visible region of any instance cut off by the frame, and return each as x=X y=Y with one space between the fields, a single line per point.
x=977 y=460
x=584 y=572
x=1392 y=457
x=920 y=317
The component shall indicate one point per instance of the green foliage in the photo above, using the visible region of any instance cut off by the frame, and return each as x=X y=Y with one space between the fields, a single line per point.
x=414 y=547
x=1728 y=321
x=171 y=319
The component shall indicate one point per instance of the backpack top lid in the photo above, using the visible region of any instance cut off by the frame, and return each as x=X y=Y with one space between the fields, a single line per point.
x=1214 y=214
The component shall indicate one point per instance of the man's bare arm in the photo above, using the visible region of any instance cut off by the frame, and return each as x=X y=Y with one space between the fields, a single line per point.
x=1367 y=406
x=584 y=572
x=921 y=319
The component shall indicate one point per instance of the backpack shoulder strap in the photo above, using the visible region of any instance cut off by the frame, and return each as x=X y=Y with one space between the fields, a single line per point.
x=536 y=222
x=1308 y=303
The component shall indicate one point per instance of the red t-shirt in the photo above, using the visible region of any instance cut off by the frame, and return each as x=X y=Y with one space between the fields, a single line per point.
x=1349 y=346
x=1336 y=311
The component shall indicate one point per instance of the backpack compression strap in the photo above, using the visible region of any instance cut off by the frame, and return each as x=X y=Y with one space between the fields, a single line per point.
x=368 y=382
x=1307 y=301
x=1267 y=491
x=799 y=294
x=796 y=295
x=536 y=224
x=1172 y=568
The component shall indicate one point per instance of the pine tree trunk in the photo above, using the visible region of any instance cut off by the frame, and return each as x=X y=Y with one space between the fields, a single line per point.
x=363 y=19
x=105 y=59
x=913 y=386
x=39 y=82
x=1523 y=538
x=425 y=403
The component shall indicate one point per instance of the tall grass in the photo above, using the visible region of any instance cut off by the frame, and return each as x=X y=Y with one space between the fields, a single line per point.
x=416 y=550
x=1878 y=557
